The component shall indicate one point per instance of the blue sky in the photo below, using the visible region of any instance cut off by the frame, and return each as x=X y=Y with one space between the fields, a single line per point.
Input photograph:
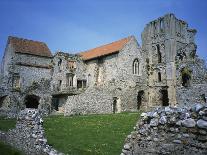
x=78 y=25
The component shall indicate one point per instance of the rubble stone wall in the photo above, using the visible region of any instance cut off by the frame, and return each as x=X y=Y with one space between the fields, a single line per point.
x=169 y=130
x=28 y=136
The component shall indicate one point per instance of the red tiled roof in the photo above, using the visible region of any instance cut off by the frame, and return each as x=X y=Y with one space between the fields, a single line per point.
x=25 y=46
x=104 y=50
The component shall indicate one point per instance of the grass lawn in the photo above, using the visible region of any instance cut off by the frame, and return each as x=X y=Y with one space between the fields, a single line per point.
x=89 y=135
x=6 y=124
x=8 y=150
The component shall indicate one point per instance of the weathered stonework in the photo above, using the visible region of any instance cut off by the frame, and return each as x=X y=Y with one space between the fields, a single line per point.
x=28 y=136
x=120 y=76
x=169 y=130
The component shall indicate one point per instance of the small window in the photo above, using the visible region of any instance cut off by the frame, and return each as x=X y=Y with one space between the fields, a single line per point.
x=136 y=67
x=71 y=65
x=100 y=61
x=60 y=62
x=16 y=81
x=81 y=84
x=69 y=81
x=59 y=85
x=159 y=54
x=159 y=77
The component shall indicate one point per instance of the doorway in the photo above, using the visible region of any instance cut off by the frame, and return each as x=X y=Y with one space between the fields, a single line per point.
x=140 y=99
x=164 y=98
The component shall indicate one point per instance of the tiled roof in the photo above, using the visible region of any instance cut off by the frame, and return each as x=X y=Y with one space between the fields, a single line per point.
x=25 y=46
x=104 y=50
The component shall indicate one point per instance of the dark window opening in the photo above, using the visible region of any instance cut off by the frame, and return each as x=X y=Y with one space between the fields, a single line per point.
x=159 y=54
x=139 y=99
x=159 y=77
x=165 y=99
x=81 y=84
x=203 y=96
x=114 y=105
x=59 y=62
x=186 y=77
x=100 y=61
x=2 y=100
x=32 y=101
x=59 y=85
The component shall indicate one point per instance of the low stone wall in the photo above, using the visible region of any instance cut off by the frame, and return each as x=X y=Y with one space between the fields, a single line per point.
x=92 y=101
x=168 y=130
x=28 y=135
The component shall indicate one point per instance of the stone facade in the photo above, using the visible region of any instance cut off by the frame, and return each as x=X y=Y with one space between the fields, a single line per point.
x=120 y=76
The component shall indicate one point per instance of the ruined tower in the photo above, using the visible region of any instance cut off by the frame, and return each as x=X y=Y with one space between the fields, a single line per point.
x=165 y=40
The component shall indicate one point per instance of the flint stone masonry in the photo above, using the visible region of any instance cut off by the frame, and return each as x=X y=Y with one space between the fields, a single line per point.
x=164 y=71
x=169 y=130
x=28 y=136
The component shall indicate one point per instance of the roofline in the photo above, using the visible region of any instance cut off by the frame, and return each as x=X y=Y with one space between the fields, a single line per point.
x=49 y=57
x=98 y=57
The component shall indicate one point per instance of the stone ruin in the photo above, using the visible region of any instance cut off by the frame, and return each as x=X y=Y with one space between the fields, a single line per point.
x=28 y=136
x=164 y=71
x=169 y=131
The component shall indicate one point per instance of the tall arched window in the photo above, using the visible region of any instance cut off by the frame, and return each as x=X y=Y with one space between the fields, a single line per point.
x=136 y=67
x=159 y=54
x=159 y=77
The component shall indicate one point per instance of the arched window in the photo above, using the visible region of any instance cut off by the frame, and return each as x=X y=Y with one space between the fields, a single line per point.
x=136 y=67
x=159 y=54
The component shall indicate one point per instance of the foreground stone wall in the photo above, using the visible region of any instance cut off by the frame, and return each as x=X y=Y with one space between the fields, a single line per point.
x=170 y=131
x=28 y=136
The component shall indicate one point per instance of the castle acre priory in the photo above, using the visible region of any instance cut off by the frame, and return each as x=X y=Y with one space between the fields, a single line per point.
x=116 y=77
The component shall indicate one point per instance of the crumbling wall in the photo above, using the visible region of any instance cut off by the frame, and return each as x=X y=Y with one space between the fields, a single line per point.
x=28 y=135
x=169 y=131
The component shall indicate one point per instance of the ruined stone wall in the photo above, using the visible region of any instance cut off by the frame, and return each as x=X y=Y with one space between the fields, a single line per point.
x=60 y=71
x=169 y=131
x=29 y=136
x=34 y=74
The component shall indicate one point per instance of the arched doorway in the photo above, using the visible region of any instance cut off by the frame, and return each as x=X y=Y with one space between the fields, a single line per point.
x=116 y=107
x=164 y=98
x=32 y=101
x=139 y=99
x=186 y=77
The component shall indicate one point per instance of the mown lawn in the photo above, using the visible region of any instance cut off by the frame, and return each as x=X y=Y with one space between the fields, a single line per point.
x=8 y=150
x=6 y=124
x=89 y=135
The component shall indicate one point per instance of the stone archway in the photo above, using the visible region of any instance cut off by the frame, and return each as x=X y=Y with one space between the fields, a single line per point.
x=32 y=101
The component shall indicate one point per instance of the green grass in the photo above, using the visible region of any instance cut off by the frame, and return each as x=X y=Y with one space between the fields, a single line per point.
x=8 y=150
x=6 y=124
x=90 y=135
